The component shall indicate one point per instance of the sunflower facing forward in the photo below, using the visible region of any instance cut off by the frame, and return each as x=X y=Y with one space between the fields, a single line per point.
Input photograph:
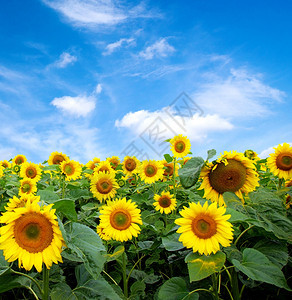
x=19 y=159
x=151 y=171
x=165 y=203
x=203 y=228
x=71 y=169
x=130 y=165
x=232 y=172
x=119 y=219
x=27 y=186
x=56 y=158
x=280 y=162
x=31 y=234
x=30 y=170
x=180 y=146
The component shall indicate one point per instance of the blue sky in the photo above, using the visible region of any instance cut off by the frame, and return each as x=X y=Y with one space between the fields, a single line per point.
x=101 y=78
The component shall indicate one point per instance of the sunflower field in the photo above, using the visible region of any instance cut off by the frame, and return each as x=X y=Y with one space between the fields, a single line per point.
x=183 y=227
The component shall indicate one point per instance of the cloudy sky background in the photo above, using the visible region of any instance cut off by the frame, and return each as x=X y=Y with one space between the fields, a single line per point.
x=94 y=78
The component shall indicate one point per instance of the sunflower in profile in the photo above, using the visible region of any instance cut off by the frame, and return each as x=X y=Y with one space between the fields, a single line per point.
x=5 y=164
x=165 y=203
x=251 y=155
x=280 y=162
x=186 y=159
x=103 y=185
x=102 y=235
x=19 y=159
x=93 y=163
x=31 y=234
x=169 y=168
x=30 y=170
x=27 y=186
x=103 y=166
x=232 y=172
x=151 y=171
x=119 y=219
x=180 y=146
x=56 y=158
x=71 y=169
x=130 y=165
x=114 y=161
x=203 y=228
x=16 y=202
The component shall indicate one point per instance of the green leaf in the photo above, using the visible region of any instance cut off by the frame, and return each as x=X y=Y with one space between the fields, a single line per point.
x=116 y=254
x=171 y=242
x=10 y=281
x=190 y=173
x=211 y=153
x=66 y=207
x=202 y=266
x=48 y=195
x=257 y=266
x=87 y=244
x=175 y=288
x=168 y=158
x=4 y=265
x=138 y=290
x=63 y=291
x=51 y=168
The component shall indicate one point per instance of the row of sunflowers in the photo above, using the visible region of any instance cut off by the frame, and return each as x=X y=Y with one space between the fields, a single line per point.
x=180 y=228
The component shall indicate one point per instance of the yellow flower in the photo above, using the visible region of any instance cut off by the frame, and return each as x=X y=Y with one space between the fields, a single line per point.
x=180 y=146
x=102 y=235
x=165 y=203
x=56 y=158
x=19 y=159
x=130 y=165
x=27 y=186
x=1 y=171
x=232 y=172
x=280 y=162
x=168 y=169
x=114 y=161
x=103 y=166
x=203 y=228
x=71 y=169
x=119 y=219
x=31 y=234
x=103 y=185
x=251 y=155
x=151 y=171
x=5 y=164
x=21 y=202
x=93 y=163
x=30 y=170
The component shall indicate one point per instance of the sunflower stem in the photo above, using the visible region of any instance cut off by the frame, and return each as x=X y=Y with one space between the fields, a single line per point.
x=215 y=286
x=124 y=269
x=173 y=177
x=243 y=232
x=46 y=283
x=63 y=186
x=234 y=285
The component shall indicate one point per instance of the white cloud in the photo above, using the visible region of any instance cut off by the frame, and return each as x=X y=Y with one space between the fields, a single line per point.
x=98 y=89
x=79 y=106
x=64 y=60
x=266 y=153
x=110 y=48
x=160 y=48
x=240 y=94
x=196 y=127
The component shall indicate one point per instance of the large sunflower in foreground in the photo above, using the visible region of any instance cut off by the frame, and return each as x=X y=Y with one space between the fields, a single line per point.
x=180 y=146
x=103 y=185
x=232 y=172
x=31 y=234
x=203 y=228
x=56 y=158
x=280 y=162
x=30 y=170
x=165 y=203
x=71 y=169
x=151 y=171
x=19 y=159
x=119 y=219
x=130 y=165
x=27 y=186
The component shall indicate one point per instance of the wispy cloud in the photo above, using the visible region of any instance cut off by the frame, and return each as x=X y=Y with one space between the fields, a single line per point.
x=160 y=48
x=79 y=106
x=110 y=48
x=64 y=60
x=93 y=13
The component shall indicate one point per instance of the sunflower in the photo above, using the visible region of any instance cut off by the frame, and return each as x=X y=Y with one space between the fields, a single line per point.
x=232 y=172
x=130 y=165
x=5 y=164
x=114 y=161
x=186 y=159
x=280 y=162
x=102 y=235
x=93 y=163
x=169 y=168
x=203 y=228
x=71 y=169
x=1 y=171
x=104 y=166
x=15 y=169
x=165 y=203
x=30 y=170
x=27 y=186
x=56 y=158
x=180 y=146
x=16 y=202
x=103 y=185
x=251 y=155
x=31 y=234
x=119 y=219
x=19 y=159
x=151 y=171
